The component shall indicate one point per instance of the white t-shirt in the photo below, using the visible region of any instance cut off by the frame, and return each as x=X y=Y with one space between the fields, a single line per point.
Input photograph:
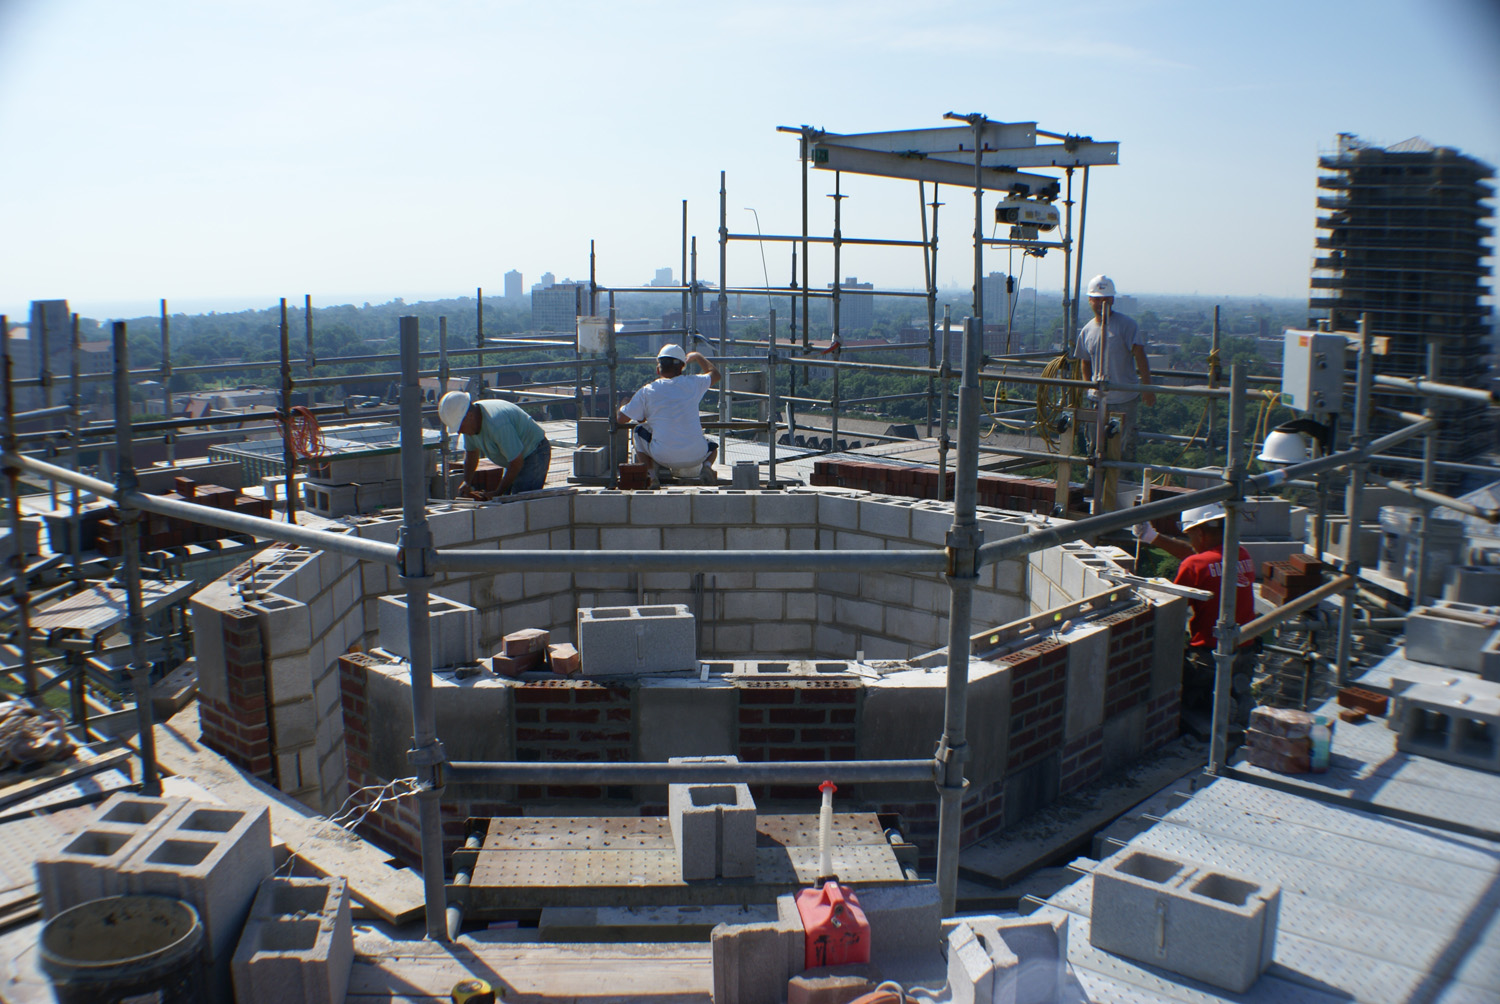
x=669 y=408
x=1124 y=336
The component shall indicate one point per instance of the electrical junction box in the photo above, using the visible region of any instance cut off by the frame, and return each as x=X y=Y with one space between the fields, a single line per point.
x=1312 y=372
x=593 y=335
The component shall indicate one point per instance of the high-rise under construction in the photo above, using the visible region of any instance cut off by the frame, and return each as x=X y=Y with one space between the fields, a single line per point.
x=1402 y=236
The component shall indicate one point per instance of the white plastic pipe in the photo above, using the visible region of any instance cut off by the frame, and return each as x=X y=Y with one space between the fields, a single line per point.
x=825 y=831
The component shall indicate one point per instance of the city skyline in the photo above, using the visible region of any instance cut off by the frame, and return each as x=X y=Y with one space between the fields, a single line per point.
x=223 y=157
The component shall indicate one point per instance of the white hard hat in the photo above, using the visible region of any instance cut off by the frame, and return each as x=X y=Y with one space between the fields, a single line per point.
x=1202 y=514
x=1101 y=285
x=672 y=350
x=452 y=408
x=1283 y=448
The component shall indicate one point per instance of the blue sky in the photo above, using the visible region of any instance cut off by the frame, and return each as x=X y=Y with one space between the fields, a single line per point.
x=224 y=154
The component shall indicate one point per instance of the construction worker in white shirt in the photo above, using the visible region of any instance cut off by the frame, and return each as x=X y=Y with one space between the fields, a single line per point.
x=669 y=431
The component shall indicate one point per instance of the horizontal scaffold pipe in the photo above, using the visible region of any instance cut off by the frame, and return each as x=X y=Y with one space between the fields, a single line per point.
x=1062 y=533
x=255 y=526
x=1308 y=600
x=810 y=239
x=810 y=772
x=1418 y=385
x=468 y=560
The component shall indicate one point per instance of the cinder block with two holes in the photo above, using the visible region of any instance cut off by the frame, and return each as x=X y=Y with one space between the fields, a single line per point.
x=88 y=866
x=452 y=632
x=1193 y=919
x=298 y=943
x=1459 y=724
x=713 y=825
x=213 y=857
x=629 y=641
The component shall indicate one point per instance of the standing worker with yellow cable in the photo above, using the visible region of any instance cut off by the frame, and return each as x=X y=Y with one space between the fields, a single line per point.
x=1107 y=347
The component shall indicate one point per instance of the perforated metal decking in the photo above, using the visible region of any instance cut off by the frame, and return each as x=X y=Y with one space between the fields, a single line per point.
x=528 y=863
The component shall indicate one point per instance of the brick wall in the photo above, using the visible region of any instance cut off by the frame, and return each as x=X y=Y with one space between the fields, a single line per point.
x=802 y=720
x=576 y=721
x=1038 y=686
x=1082 y=760
x=1132 y=635
x=238 y=727
x=1162 y=718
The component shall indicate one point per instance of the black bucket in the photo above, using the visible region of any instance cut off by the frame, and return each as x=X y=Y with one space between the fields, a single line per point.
x=125 y=948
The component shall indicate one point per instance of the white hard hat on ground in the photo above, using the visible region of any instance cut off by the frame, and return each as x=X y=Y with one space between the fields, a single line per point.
x=1101 y=285
x=672 y=350
x=452 y=409
x=1202 y=514
x=1283 y=448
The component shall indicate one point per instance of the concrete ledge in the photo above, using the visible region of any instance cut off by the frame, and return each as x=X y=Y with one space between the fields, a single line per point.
x=1197 y=921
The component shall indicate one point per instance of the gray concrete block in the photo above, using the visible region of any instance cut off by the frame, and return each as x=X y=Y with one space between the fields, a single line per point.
x=1030 y=955
x=971 y=971
x=591 y=462
x=453 y=633
x=629 y=641
x=753 y=962
x=675 y=720
x=1476 y=584
x=1459 y=724
x=905 y=923
x=1194 y=920
x=285 y=624
x=1088 y=659
x=213 y=857
x=1451 y=634
x=88 y=865
x=713 y=826
x=298 y=943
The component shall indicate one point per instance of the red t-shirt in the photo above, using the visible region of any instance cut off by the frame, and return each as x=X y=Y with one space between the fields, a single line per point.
x=1202 y=571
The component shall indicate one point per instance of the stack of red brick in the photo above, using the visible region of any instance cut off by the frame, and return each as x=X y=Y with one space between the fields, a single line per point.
x=158 y=531
x=1000 y=491
x=530 y=651
x=1288 y=741
x=1284 y=581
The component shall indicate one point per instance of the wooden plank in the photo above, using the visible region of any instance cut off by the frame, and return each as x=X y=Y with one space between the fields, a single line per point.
x=85 y=760
x=396 y=895
x=671 y=973
x=98 y=608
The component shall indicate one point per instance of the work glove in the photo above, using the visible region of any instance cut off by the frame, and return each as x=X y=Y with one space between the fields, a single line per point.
x=1145 y=532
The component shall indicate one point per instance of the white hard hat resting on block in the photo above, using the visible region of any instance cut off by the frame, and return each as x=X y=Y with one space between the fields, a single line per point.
x=452 y=409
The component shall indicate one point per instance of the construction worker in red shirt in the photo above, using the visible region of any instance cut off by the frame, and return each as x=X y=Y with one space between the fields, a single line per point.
x=1202 y=554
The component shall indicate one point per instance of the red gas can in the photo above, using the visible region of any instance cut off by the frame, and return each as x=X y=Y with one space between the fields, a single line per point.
x=836 y=929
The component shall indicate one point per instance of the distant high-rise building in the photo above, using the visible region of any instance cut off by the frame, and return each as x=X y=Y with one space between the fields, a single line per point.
x=514 y=289
x=996 y=299
x=856 y=306
x=663 y=277
x=548 y=279
x=556 y=307
x=1402 y=240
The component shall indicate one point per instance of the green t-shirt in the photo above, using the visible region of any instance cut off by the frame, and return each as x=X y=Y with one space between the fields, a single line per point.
x=505 y=433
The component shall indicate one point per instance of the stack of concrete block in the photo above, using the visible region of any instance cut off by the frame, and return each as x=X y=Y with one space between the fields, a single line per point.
x=213 y=857
x=525 y=652
x=629 y=641
x=1195 y=920
x=1455 y=635
x=713 y=826
x=358 y=468
x=298 y=944
x=1015 y=960
x=1459 y=724
x=334 y=501
x=452 y=629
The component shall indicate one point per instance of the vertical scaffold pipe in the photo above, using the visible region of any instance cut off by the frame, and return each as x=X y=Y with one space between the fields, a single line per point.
x=1228 y=629
x=130 y=564
x=426 y=755
x=944 y=408
x=443 y=389
x=1354 y=494
x=964 y=538
x=13 y=493
x=773 y=411
x=288 y=455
